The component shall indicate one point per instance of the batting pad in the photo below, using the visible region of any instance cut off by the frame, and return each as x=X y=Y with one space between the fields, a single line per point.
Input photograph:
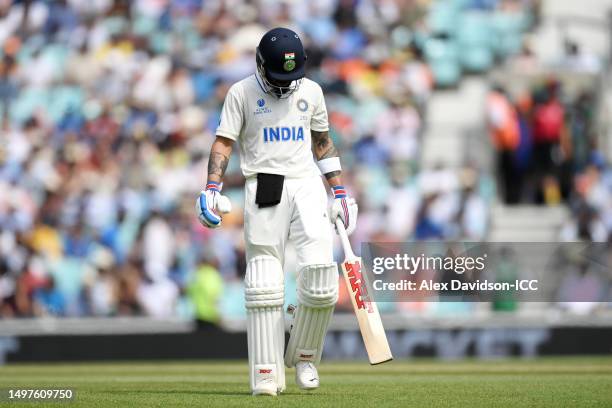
x=264 y=296
x=317 y=295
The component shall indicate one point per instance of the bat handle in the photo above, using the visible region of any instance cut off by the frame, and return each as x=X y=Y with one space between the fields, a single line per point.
x=346 y=244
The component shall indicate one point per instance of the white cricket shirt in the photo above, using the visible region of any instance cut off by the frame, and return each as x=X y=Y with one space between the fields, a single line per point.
x=274 y=134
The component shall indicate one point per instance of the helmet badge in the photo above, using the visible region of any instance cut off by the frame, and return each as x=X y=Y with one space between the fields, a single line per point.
x=289 y=64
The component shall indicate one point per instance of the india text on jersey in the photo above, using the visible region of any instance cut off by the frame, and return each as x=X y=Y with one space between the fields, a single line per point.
x=283 y=133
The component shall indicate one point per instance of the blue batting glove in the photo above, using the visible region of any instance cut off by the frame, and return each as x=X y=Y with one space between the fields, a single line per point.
x=211 y=204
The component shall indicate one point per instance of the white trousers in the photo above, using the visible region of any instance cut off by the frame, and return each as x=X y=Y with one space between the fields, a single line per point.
x=301 y=217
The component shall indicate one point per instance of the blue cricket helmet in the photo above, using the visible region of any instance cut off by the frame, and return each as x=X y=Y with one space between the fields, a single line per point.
x=281 y=61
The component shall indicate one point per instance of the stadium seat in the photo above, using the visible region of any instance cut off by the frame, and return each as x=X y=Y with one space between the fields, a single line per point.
x=442 y=56
x=473 y=38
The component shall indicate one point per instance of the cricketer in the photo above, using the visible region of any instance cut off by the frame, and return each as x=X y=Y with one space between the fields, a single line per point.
x=279 y=119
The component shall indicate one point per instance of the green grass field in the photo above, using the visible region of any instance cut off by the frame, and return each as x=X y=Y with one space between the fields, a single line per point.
x=559 y=382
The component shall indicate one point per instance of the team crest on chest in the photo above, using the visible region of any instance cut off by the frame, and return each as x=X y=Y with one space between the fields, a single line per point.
x=302 y=105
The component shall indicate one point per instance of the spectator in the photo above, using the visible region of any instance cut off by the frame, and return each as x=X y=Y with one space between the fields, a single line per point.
x=158 y=298
x=48 y=300
x=581 y=290
x=205 y=292
x=505 y=135
x=548 y=124
x=523 y=156
x=158 y=247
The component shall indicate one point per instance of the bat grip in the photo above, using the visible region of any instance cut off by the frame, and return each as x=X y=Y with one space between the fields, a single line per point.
x=346 y=244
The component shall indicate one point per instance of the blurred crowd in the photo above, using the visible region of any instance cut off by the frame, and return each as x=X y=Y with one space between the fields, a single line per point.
x=547 y=154
x=108 y=110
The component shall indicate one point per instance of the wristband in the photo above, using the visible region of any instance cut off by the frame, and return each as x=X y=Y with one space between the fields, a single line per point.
x=214 y=186
x=339 y=191
x=329 y=165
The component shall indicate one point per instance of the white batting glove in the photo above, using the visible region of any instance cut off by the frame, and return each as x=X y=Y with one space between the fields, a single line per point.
x=344 y=207
x=211 y=204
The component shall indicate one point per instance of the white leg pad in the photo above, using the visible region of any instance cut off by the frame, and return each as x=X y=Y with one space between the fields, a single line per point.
x=317 y=295
x=264 y=296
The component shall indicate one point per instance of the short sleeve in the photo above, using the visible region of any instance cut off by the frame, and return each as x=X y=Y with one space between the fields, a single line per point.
x=319 y=122
x=232 y=116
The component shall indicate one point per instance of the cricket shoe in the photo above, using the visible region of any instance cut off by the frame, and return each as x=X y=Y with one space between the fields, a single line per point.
x=266 y=386
x=306 y=375
x=265 y=380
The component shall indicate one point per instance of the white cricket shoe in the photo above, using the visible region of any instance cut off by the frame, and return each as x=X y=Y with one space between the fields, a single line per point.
x=306 y=375
x=266 y=386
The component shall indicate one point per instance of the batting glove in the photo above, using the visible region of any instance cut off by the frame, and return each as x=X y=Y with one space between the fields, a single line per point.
x=211 y=204
x=344 y=207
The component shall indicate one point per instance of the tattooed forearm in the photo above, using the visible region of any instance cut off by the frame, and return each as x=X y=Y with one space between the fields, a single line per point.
x=320 y=139
x=323 y=146
x=217 y=164
x=220 y=153
x=333 y=174
x=330 y=152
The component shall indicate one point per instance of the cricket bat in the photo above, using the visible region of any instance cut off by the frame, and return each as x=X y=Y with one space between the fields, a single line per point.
x=370 y=324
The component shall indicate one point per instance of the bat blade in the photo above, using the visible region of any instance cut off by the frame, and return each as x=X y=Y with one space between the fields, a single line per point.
x=370 y=324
